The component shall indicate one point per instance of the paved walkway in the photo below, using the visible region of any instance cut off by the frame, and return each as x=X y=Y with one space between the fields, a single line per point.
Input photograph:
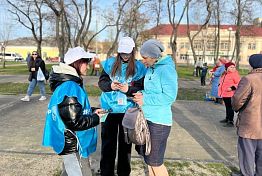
x=196 y=135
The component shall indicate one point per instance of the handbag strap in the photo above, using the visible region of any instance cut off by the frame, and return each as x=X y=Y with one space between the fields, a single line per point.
x=126 y=136
x=147 y=133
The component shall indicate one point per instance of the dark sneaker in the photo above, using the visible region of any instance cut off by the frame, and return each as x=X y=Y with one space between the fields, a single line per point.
x=223 y=121
x=229 y=124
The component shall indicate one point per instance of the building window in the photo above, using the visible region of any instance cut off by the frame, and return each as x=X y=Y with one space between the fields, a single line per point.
x=184 y=45
x=197 y=45
x=210 y=45
x=224 y=45
x=251 y=46
x=183 y=57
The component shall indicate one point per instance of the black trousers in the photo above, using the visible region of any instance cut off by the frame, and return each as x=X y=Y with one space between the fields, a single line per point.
x=198 y=71
x=112 y=133
x=203 y=80
x=229 y=110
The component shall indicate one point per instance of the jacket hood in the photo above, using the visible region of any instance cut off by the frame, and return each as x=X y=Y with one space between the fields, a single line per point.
x=166 y=60
x=62 y=73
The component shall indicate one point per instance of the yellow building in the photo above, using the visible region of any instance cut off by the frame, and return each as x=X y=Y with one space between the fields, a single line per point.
x=23 y=50
x=204 y=43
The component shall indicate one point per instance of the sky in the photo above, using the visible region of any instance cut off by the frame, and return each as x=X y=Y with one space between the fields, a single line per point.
x=17 y=30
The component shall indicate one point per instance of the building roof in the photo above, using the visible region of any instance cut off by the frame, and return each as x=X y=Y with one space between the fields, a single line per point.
x=166 y=29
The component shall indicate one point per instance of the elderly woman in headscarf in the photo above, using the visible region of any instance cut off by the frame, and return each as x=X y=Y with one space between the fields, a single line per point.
x=160 y=91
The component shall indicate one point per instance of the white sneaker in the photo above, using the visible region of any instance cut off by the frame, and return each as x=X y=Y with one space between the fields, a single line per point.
x=26 y=98
x=42 y=98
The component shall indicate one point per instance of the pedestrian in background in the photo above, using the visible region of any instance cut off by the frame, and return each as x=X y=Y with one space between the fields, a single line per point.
x=216 y=79
x=227 y=86
x=122 y=76
x=70 y=119
x=28 y=57
x=199 y=65
x=247 y=101
x=203 y=74
x=96 y=66
x=212 y=71
x=160 y=91
x=36 y=67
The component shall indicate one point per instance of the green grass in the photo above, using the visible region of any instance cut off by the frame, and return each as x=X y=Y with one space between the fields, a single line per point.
x=12 y=63
x=184 y=72
x=189 y=168
x=191 y=94
x=18 y=69
x=21 y=88
x=243 y=72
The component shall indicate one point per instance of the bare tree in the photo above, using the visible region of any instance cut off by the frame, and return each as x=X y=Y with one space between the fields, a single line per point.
x=242 y=13
x=203 y=26
x=57 y=6
x=134 y=20
x=120 y=10
x=73 y=23
x=29 y=14
x=156 y=8
x=217 y=30
x=5 y=32
x=171 y=8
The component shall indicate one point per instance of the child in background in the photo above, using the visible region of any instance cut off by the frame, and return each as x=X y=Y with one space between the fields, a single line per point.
x=203 y=74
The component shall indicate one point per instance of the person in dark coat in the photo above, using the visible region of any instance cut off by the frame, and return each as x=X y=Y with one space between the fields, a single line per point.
x=203 y=74
x=36 y=65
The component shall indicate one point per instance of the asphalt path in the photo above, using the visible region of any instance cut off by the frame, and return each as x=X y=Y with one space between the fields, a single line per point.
x=196 y=134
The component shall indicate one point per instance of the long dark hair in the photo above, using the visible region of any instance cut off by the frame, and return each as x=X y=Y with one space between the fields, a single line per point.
x=130 y=71
x=77 y=64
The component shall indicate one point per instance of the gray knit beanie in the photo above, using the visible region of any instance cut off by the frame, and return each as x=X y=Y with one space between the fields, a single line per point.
x=152 y=48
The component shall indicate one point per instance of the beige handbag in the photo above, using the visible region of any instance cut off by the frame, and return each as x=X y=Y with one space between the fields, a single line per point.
x=136 y=129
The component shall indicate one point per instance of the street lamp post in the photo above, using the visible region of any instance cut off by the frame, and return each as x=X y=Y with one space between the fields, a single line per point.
x=3 y=53
x=228 y=46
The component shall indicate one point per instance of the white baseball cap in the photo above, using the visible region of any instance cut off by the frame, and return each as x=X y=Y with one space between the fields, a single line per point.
x=125 y=45
x=77 y=53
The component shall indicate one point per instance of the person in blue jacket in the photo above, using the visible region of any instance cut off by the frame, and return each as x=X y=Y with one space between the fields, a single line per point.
x=160 y=91
x=216 y=79
x=121 y=77
x=70 y=121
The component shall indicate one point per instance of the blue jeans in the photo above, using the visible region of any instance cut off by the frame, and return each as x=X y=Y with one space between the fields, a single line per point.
x=74 y=165
x=32 y=85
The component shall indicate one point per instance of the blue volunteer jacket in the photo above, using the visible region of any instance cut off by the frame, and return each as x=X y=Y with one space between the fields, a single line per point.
x=160 y=91
x=109 y=99
x=53 y=135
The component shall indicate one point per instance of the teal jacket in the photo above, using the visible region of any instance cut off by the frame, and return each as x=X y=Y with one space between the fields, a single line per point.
x=160 y=91
x=109 y=100
x=53 y=135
